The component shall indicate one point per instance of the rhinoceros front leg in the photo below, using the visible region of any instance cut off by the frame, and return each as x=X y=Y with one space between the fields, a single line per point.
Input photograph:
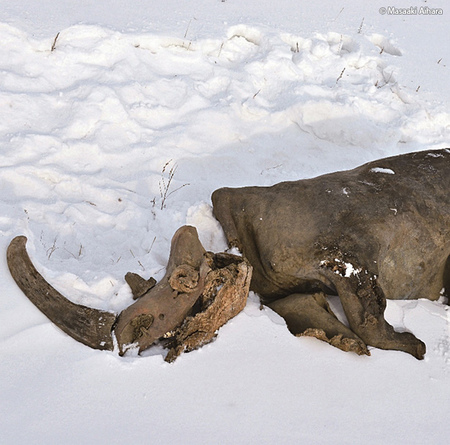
x=364 y=304
x=310 y=315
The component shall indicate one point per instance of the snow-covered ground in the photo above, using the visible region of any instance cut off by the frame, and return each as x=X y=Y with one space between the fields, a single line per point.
x=117 y=121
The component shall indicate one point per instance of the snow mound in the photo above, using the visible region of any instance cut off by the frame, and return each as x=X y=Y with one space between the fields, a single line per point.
x=110 y=138
x=113 y=140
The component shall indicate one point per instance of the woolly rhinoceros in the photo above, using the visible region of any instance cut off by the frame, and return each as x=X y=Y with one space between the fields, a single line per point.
x=379 y=231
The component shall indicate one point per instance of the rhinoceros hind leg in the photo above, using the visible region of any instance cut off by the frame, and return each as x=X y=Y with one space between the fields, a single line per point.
x=310 y=315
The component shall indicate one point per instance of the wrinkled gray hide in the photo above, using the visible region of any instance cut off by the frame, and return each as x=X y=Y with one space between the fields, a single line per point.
x=381 y=230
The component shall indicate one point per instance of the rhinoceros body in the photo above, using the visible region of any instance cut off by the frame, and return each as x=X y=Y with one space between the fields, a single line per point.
x=381 y=230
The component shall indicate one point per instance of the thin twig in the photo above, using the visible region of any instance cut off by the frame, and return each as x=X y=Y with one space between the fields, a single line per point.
x=180 y=187
x=188 y=26
x=151 y=247
x=54 y=43
x=220 y=50
x=386 y=81
x=341 y=42
x=51 y=249
x=360 y=26
x=340 y=12
x=165 y=186
x=340 y=76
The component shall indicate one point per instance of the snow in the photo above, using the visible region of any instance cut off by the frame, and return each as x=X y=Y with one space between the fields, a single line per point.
x=119 y=135
x=386 y=171
x=343 y=268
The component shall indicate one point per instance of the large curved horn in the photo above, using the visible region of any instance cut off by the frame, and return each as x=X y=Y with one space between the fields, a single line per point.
x=91 y=327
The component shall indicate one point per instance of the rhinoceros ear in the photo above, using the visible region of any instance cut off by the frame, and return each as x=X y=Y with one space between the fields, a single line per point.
x=91 y=327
